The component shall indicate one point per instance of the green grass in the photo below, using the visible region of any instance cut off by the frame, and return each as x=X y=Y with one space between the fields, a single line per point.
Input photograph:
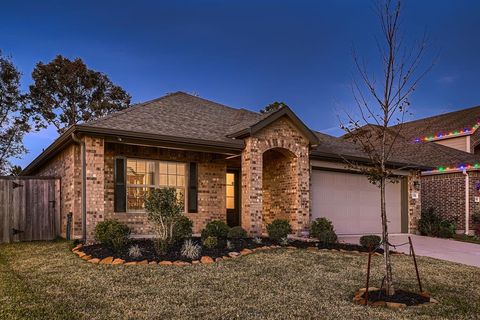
x=465 y=238
x=46 y=281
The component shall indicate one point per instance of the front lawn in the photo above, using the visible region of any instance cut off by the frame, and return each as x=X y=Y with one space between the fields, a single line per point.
x=465 y=238
x=46 y=281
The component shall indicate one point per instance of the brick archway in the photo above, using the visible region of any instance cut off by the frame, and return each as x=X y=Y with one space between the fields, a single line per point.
x=279 y=186
x=281 y=140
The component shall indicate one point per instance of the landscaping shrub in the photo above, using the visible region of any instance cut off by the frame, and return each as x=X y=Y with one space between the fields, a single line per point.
x=191 y=250
x=278 y=229
x=433 y=225
x=210 y=242
x=322 y=229
x=216 y=228
x=182 y=229
x=164 y=210
x=135 y=252
x=112 y=233
x=257 y=240
x=370 y=241
x=230 y=245
x=237 y=233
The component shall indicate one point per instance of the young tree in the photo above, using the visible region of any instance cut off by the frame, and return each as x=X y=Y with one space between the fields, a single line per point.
x=383 y=104
x=66 y=92
x=164 y=211
x=273 y=106
x=13 y=115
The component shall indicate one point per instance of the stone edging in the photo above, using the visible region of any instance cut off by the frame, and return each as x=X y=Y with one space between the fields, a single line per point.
x=203 y=260
x=390 y=305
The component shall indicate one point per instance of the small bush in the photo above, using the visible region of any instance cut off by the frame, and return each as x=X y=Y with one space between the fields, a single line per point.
x=433 y=225
x=191 y=250
x=278 y=229
x=210 y=242
x=230 y=245
x=216 y=228
x=237 y=233
x=161 y=246
x=476 y=218
x=113 y=234
x=322 y=229
x=370 y=241
x=135 y=252
x=257 y=240
x=284 y=241
x=182 y=229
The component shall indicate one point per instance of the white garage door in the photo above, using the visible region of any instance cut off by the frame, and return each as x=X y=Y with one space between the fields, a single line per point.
x=353 y=204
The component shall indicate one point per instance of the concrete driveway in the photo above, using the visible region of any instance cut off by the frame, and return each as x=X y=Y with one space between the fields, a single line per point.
x=444 y=249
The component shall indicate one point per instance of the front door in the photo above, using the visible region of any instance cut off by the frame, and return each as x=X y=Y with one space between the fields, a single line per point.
x=232 y=198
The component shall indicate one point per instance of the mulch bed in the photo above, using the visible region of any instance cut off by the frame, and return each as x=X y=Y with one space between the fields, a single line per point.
x=148 y=251
x=400 y=296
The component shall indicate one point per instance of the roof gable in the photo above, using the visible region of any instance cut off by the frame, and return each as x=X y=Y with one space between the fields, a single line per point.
x=248 y=128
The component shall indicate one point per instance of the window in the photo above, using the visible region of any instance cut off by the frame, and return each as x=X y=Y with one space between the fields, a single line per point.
x=145 y=175
x=230 y=191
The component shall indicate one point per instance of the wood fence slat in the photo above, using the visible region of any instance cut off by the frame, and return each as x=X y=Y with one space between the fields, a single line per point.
x=30 y=205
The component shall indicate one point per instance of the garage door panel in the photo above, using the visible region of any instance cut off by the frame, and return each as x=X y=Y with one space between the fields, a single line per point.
x=352 y=203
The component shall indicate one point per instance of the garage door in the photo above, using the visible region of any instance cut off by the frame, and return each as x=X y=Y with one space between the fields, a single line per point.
x=353 y=204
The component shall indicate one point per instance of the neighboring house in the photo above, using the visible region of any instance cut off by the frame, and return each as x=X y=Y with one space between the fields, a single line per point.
x=234 y=165
x=452 y=188
x=450 y=144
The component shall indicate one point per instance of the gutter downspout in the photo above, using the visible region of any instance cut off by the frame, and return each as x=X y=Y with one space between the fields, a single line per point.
x=84 y=185
x=467 y=201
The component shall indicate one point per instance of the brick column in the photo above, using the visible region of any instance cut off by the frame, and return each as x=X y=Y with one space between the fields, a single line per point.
x=252 y=188
x=303 y=191
x=414 y=205
x=95 y=166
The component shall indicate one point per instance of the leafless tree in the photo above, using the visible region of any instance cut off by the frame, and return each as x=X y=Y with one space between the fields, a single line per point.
x=383 y=104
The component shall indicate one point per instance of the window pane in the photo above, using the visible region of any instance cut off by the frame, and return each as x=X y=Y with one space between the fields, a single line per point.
x=230 y=179
x=180 y=181
x=136 y=198
x=163 y=180
x=180 y=169
x=230 y=191
x=230 y=203
x=172 y=168
x=172 y=181
x=163 y=167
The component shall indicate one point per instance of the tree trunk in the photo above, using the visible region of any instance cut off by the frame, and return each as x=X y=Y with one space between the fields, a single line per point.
x=386 y=255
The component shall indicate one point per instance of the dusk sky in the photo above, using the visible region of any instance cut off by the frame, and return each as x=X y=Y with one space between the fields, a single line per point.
x=243 y=53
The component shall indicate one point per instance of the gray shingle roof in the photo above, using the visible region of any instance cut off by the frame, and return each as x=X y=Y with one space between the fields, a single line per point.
x=441 y=124
x=179 y=115
x=405 y=150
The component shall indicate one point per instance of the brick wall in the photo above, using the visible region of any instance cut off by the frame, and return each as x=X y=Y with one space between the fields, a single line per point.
x=283 y=136
x=211 y=185
x=446 y=194
x=94 y=151
x=65 y=165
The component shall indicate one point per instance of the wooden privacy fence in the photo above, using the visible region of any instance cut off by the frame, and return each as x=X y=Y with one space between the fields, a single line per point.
x=29 y=208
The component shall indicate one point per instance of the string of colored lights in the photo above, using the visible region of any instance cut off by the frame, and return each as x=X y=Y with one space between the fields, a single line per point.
x=443 y=135
x=457 y=168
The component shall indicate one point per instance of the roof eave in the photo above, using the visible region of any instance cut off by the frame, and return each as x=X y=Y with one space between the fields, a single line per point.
x=121 y=135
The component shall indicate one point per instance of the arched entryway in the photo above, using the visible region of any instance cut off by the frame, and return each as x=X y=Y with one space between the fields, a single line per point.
x=279 y=186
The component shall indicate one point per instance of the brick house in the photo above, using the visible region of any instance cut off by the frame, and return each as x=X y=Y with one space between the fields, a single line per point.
x=452 y=188
x=229 y=164
x=450 y=144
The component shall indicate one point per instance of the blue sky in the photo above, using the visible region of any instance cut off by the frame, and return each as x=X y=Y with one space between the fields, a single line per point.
x=242 y=53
